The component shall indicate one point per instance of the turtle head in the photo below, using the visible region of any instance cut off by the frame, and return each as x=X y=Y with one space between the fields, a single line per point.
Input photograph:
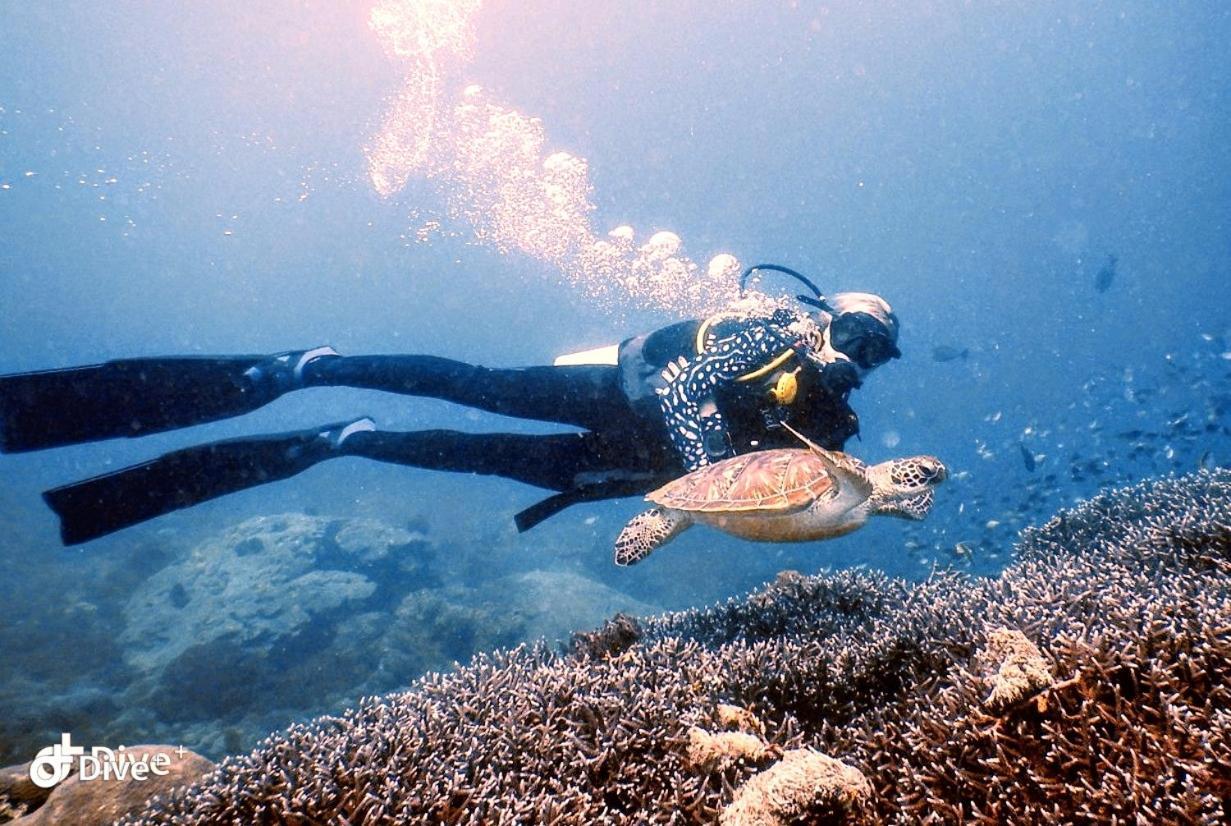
x=903 y=487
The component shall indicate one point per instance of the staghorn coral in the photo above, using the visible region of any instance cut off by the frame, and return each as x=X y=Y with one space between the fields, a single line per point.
x=1127 y=596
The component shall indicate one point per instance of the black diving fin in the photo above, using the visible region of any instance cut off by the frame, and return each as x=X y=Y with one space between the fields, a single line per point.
x=597 y=491
x=129 y=397
x=104 y=504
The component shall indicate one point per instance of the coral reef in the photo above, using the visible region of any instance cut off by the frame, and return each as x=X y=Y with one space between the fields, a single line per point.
x=1127 y=598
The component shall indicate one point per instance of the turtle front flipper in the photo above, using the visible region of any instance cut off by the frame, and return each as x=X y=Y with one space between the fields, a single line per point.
x=648 y=531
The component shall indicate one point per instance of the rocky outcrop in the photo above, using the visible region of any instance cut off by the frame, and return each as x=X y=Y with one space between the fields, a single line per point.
x=220 y=630
x=263 y=582
x=97 y=801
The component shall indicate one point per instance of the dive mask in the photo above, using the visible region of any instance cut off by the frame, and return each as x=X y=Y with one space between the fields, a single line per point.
x=863 y=339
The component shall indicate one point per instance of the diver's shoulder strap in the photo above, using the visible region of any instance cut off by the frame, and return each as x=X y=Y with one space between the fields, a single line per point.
x=766 y=369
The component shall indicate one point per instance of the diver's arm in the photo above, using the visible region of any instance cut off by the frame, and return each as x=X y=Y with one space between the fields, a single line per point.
x=694 y=423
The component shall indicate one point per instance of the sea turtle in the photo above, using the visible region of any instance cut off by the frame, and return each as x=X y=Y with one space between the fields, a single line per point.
x=782 y=495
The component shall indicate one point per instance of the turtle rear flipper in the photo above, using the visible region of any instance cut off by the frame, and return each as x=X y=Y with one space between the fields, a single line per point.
x=646 y=532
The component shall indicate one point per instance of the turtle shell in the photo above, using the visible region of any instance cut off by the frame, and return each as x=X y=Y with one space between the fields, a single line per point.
x=782 y=480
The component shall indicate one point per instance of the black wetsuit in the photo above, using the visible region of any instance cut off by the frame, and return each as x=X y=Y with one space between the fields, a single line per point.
x=637 y=424
x=678 y=398
x=618 y=453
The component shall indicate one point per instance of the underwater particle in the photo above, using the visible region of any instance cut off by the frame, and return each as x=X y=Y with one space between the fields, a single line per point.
x=891 y=439
x=805 y=786
x=718 y=752
x=1014 y=667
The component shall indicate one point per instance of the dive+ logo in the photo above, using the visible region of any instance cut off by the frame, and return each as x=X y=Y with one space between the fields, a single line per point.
x=54 y=763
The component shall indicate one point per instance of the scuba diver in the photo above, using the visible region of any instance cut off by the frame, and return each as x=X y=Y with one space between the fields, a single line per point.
x=656 y=407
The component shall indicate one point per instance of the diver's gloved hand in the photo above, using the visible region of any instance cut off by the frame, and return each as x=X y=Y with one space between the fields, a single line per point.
x=840 y=377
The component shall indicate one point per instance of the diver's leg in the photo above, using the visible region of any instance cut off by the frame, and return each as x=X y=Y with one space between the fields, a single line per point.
x=105 y=504
x=135 y=397
x=587 y=396
x=557 y=461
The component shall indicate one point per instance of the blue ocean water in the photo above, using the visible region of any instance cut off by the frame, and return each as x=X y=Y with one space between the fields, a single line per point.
x=195 y=180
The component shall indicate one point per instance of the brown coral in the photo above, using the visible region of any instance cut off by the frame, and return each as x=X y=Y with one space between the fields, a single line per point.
x=1014 y=668
x=740 y=719
x=719 y=752
x=804 y=786
x=1126 y=595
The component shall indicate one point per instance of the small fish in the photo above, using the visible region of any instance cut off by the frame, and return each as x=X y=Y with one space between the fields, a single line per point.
x=1106 y=275
x=1027 y=457
x=963 y=550
x=1219 y=342
x=992 y=524
x=947 y=352
x=1206 y=462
